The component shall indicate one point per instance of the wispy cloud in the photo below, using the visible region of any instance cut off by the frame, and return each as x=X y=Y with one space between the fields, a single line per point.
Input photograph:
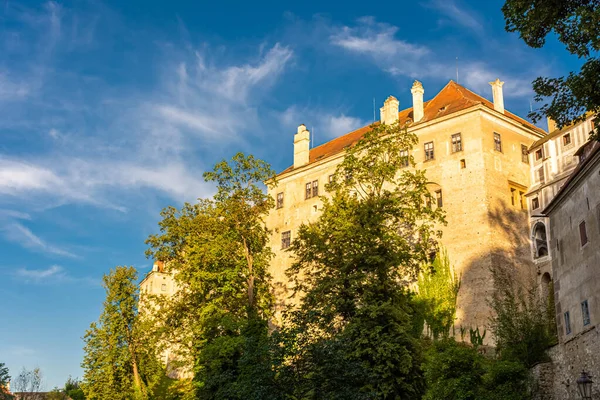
x=55 y=274
x=323 y=125
x=379 y=42
x=21 y=235
x=457 y=13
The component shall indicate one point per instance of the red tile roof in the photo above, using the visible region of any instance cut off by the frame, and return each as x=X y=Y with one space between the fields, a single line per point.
x=452 y=98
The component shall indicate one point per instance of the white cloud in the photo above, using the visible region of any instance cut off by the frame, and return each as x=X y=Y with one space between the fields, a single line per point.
x=322 y=124
x=400 y=58
x=458 y=13
x=377 y=40
x=21 y=235
x=55 y=274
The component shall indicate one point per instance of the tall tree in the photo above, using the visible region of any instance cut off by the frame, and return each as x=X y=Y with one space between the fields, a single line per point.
x=29 y=384
x=352 y=336
x=4 y=382
x=576 y=23
x=116 y=347
x=218 y=250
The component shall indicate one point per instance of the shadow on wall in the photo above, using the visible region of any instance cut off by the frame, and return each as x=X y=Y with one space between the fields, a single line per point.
x=508 y=247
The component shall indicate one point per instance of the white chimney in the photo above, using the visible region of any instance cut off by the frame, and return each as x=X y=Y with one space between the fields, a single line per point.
x=301 y=146
x=498 y=96
x=551 y=125
x=417 y=93
x=389 y=111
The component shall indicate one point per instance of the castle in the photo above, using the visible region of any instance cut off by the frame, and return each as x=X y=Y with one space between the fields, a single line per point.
x=476 y=155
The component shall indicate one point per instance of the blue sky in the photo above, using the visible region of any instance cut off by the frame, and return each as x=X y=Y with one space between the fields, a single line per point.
x=110 y=111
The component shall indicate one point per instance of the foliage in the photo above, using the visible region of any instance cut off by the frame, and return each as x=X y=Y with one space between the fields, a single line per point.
x=120 y=360
x=438 y=288
x=453 y=371
x=576 y=23
x=218 y=251
x=352 y=335
x=521 y=321
x=29 y=381
x=4 y=375
x=73 y=389
x=476 y=337
x=56 y=394
x=457 y=371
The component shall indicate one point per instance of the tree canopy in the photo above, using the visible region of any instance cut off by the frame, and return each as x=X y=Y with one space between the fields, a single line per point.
x=576 y=24
x=217 y=249
x=352 y=335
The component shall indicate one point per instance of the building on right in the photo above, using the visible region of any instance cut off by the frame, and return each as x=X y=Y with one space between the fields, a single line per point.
x=573 y=218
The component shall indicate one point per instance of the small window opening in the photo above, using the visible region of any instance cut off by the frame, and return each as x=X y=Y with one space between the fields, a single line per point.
x=585 y=312
x=463 y=164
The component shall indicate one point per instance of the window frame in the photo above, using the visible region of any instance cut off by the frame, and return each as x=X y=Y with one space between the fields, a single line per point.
x=535 y=203
x=315 y=188
x=539 y=152
x=541 y=175
x=286 y=239
x=565 y=137
x=405 y=158
x=567 y=318
x=498 y=142
x=456 y=145
x=427 y=151
x=583 y=233
x=524 y=154
x=279 y=200
x=585 y=313
x=439 y=198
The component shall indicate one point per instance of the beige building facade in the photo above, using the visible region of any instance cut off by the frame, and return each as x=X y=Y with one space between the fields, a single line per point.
x=573 y=217
x=475 y=153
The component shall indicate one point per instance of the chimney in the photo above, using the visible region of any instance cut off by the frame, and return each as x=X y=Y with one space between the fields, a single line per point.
x=389 y=111
x=551 y=125
x=301 y=146
x=417 y=93
x=498 y=96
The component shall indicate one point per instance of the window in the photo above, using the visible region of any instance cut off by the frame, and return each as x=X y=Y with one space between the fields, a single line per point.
x=566 y=139
x=286 y=239
x=540 y=240
x=404 y=158
x=539 y=154
x=522 y=200
x=540 y=175
x=312 y=189
x=163 y=287
x=456 y=142
x=524 y=154
x=567 y=323
x=497 y=142
x=513 y=193
x=330 y=178
x=463 y=164
x=535 y=203
x=583 y=233
x=585 y=312
x=429 y=151
x=438 y=197
x=280 y=200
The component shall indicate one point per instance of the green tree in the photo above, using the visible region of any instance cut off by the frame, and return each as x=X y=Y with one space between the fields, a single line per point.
x=521 y=320
x=4 y=381
x=352 y=335
x=73 y=389
x=576 y=23
x=218 y=250
x=4 y=375
x=438 y=288
x=116 y=347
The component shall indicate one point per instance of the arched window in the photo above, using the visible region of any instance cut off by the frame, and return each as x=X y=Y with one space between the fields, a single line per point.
x=540 y=242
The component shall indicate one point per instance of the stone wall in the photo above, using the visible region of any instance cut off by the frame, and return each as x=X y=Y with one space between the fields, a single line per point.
x=556 y=380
